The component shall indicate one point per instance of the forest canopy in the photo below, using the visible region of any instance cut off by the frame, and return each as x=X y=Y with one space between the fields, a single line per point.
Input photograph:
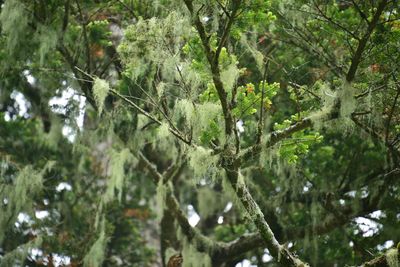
x=199 y=133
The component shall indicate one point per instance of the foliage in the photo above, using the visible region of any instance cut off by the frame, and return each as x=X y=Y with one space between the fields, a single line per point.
x=273 y=126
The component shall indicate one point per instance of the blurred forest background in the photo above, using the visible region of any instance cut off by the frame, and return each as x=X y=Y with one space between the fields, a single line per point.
x=199 y=133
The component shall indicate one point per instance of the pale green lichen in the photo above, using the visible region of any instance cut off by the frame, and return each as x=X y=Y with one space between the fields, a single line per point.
x=96 y=254
x=47 y=38
x=203 y=163
x=55 y=134
x=163 y=131
x=169 y=252
x=392 y=257
x=164 y=141
x=191 y=256
x=250 y=46
x=209 y=201
x=14 y=20
x=154 y=43
x=19 y=195
x=100 y=92
x=115 y=181
x=18 y=256
x=161 y=197
x=347 y=100
x=229 y=76
x=160 y=89
x=184 y=108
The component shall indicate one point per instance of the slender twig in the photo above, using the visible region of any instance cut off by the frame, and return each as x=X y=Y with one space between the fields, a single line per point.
x=86 y=38
x=356 y=60
x=261 y=119
x=148 y=115
x=229 y=23
x=392 y=109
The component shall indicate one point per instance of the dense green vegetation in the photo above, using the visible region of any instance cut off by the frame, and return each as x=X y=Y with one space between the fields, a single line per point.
x=199 y=133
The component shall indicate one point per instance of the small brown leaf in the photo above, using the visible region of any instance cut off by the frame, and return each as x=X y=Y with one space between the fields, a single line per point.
x=175 y=261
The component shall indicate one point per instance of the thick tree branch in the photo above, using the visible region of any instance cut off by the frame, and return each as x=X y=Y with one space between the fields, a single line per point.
x=279 y=252
x=382 y=261
x=252 y=241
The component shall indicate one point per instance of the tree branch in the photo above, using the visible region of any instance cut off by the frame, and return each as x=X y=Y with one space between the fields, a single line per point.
x=215 y=71
x=382 y=261
x=202 y=243
x=231 y=19
x=255 y=240
x=274 y=138
x=283 y=256
x=151 y=117
x=363 y=42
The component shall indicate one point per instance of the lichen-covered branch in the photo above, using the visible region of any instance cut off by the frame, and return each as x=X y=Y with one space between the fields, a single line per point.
x=279 y=252
x=274 y=138
x=389 y=259
x=215 y=71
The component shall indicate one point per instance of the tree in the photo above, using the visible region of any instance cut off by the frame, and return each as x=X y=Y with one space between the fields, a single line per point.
x=275 y=122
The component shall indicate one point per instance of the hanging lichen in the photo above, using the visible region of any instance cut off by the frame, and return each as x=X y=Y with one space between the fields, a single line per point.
x=347 y=100
x=255 y=53
x=14 y=20
x=204 y=119
x=115 y=181
x=161 y=198
x=18 y=256
x=163 y=131
x=203 y=163
x=47 y=38
x=96 y=254
x=164 y=141
x=154 y=42
x=100 y=92
x=19 y=195
x=209 y=201
x=230 y=71
x=185 y=109
x=392 y=257
x=191 y=256
x=328 y=104
x=53 y=137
